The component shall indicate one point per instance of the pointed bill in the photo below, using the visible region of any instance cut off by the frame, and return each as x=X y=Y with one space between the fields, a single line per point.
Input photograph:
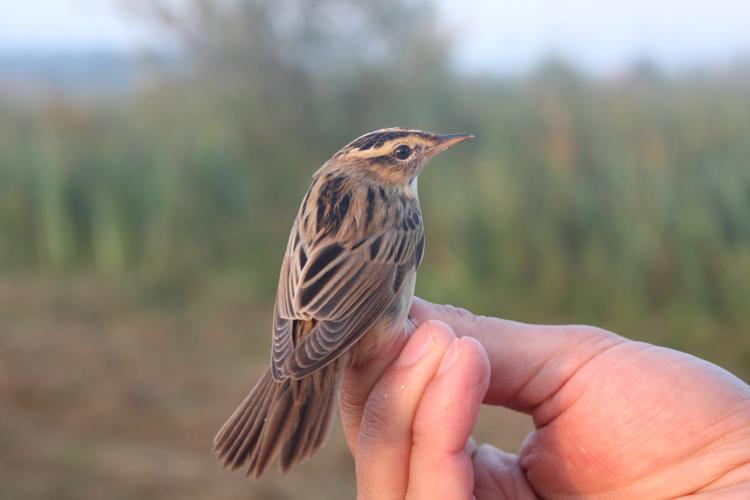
x=448 y=140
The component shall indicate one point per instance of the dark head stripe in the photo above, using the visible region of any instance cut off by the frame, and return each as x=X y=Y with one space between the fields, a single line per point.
x=377 y=139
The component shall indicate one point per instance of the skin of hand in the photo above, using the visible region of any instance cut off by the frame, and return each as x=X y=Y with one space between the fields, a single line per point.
x=614 y=418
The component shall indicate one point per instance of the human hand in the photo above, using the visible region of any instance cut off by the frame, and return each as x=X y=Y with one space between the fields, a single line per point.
x=614 y=418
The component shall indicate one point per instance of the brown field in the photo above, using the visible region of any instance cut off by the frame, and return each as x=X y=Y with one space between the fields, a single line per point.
x=105 y=395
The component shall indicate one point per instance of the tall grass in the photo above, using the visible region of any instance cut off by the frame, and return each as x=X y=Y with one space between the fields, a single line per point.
x=623 y=202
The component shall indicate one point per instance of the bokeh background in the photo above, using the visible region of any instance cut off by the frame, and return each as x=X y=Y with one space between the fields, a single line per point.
x=154 y=152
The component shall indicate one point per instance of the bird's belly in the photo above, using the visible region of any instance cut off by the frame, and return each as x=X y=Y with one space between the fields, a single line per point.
x=391 y=324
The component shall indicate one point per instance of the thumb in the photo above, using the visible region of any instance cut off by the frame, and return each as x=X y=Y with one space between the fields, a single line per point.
x=529 y=363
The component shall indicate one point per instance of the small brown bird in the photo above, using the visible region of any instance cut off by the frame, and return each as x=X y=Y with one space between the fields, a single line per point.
x=346 y=285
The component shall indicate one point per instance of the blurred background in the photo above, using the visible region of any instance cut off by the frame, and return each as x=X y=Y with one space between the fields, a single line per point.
x=154 y=152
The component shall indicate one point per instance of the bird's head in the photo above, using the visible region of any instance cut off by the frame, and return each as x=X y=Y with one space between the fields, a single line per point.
x=393 y=155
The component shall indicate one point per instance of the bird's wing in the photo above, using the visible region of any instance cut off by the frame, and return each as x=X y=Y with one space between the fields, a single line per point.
x=284 y=314
x=344 y=290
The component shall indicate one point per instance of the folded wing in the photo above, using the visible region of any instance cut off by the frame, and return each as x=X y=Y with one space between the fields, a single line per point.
x=342 y=290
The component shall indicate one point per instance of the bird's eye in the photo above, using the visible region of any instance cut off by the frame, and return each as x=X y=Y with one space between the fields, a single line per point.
x=402 y=152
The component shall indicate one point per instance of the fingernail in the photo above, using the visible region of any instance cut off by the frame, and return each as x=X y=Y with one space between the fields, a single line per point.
x=416 y=348
x=449 y=358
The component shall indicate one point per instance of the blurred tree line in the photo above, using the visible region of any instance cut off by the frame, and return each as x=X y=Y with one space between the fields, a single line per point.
x=624 y=202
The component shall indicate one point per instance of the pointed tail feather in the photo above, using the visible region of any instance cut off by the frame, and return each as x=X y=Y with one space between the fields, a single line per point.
x=288 y=419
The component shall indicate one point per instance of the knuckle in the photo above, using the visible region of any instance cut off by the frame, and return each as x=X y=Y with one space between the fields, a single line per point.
x=375 y=415
x=424 y=426
x=349 y=403
x=421 y=431
x=593 y=332
x=459 y=312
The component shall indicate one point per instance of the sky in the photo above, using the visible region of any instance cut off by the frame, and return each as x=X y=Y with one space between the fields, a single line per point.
x=495 y=35
x=69 y=25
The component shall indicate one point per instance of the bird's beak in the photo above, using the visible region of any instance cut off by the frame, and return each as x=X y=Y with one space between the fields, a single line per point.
x=448 y=140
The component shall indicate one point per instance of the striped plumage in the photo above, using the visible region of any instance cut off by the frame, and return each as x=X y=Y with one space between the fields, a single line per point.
x=349 y=270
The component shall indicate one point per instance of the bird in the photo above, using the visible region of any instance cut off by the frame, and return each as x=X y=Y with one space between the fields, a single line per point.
x=345 y=287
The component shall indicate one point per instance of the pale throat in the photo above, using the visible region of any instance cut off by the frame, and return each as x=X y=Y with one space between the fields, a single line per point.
x=411 y=188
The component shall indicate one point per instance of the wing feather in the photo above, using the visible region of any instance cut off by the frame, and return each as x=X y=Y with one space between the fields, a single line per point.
x=284 y=314
x=329 y=339
x=344 y=289
x=338 y=289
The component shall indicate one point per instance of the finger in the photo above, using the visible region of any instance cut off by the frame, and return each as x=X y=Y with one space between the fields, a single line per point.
x=497 y=474
x=440 y=465
x=384 y=440
x=530 y=363
x=359 y=380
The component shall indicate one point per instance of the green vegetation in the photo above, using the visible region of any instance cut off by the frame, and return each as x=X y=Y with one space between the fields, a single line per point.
x=623 y=202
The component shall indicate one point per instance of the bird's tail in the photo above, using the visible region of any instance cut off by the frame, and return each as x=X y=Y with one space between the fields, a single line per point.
x=290 y=419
